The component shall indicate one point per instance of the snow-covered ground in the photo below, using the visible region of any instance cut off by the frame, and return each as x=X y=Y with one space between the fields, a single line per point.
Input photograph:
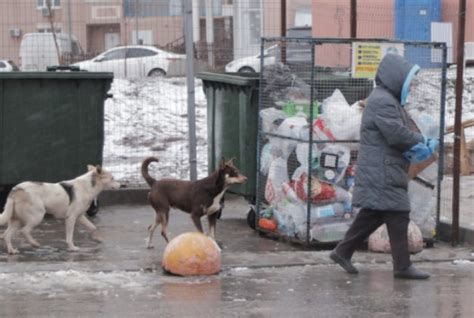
x=148 y=117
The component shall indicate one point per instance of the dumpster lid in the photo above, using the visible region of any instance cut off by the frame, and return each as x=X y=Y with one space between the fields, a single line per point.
x=239 y=79
x=56 y=75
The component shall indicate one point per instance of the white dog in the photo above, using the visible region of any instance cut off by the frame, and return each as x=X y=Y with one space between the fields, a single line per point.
x=28 y=202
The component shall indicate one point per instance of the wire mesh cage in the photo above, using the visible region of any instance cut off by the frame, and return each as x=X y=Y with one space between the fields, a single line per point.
x=312 y=98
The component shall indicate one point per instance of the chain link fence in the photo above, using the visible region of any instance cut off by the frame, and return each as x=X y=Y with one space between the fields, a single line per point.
x=142 y=43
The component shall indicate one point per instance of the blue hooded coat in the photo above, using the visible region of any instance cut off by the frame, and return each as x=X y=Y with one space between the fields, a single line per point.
x=381 y=179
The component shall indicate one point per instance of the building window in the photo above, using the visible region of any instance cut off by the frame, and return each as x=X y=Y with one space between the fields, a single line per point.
x=153 y=8
x=48 y=30
x=43 y=4
x=216 y=8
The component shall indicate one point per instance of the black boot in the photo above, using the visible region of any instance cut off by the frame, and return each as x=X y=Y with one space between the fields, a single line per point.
x=410 y=273
x=344 y=263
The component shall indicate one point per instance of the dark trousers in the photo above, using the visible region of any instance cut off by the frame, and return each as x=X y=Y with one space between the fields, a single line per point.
x=366 y=222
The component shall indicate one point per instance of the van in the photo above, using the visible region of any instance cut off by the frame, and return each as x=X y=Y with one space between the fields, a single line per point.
x=38 y=50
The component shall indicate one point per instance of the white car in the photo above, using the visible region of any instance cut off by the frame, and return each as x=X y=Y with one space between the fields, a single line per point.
x=251 y=64
x=7 y=66
x=136 y=61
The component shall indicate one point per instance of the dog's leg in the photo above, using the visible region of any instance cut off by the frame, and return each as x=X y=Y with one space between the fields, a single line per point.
x=26 y=231
x=13 y=226
x=151 y=230
x=95 y=235
x=196 y=217
x=164 y=225
x=70 y=223
x=35 y=218
x=212 y=220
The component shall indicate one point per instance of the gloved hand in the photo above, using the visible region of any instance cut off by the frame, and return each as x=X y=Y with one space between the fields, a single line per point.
x=433 y=144
x=420 y=152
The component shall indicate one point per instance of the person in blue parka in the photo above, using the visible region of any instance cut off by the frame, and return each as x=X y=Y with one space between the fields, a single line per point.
x=387 y=147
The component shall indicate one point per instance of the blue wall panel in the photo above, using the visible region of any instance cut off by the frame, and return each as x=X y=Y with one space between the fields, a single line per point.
x=413 y=22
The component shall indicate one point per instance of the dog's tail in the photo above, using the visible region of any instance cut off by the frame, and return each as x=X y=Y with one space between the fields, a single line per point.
x=7 y=211
x=145 y=173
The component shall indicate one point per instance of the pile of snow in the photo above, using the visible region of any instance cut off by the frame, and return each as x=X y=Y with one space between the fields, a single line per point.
x=426 y=95
x=148 y=117
x=58 y=282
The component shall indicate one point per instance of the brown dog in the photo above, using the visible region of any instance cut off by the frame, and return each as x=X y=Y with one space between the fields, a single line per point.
x=199 y=198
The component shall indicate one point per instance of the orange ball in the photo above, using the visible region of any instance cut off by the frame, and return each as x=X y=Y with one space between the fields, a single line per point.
x=192 y=254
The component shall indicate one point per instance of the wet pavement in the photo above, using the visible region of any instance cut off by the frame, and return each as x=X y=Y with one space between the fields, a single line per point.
x=260 y=277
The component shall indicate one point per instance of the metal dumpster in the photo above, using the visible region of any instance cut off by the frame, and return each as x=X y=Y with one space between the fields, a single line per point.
x=51 y=124
x=232 y=123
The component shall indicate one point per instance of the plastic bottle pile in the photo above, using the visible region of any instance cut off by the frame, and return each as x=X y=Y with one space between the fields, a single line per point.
x=328 y=203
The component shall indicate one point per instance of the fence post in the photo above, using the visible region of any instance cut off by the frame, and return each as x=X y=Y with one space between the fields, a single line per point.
x=457 y=123
x=441 y=134
x=353 y=19
x=188 y=38
x=283 y=30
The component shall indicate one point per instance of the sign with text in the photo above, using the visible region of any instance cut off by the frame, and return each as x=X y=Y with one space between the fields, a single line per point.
x=366 y=57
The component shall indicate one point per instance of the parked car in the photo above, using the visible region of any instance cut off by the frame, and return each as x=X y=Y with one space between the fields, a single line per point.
x=136 y=61
x=296 y=53
x=38 y=50
x=8 y=66
x=251 y=64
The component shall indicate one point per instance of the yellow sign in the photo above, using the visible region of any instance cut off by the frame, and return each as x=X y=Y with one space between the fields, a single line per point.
x=366 y=57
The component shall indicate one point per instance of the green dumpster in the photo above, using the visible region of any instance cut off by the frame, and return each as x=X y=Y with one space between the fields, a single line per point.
x=232 y=122
x=51 y=124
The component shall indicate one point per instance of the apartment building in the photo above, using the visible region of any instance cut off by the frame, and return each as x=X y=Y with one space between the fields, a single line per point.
x=97 y=24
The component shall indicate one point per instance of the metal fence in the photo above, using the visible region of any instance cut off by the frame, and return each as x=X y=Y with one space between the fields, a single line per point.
x=310 y=113
x=148 y=114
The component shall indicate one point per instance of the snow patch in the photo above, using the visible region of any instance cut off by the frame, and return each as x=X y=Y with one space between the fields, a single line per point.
x=148 y=117
x=462 y=262
x=53 y=283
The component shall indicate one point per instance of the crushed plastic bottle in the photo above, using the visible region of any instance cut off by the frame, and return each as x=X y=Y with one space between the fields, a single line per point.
x=329 y=232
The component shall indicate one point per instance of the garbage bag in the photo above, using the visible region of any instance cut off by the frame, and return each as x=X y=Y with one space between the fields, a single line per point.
x=302 y=155
x=266 y=158
x=271 y=119
x=422 y=203
x=340 y=118
x=281 y=84
x=426 y=123
x=290 y=127
x=277 y=176
x=321 y=192
x=379 y=240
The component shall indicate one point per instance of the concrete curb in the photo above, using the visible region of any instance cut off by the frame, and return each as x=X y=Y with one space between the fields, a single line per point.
x=466 y=235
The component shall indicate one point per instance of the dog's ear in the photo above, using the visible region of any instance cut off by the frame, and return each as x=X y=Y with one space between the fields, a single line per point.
x=222 y=163
x=231 y=162
x=98 y=169
x=90 y=168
